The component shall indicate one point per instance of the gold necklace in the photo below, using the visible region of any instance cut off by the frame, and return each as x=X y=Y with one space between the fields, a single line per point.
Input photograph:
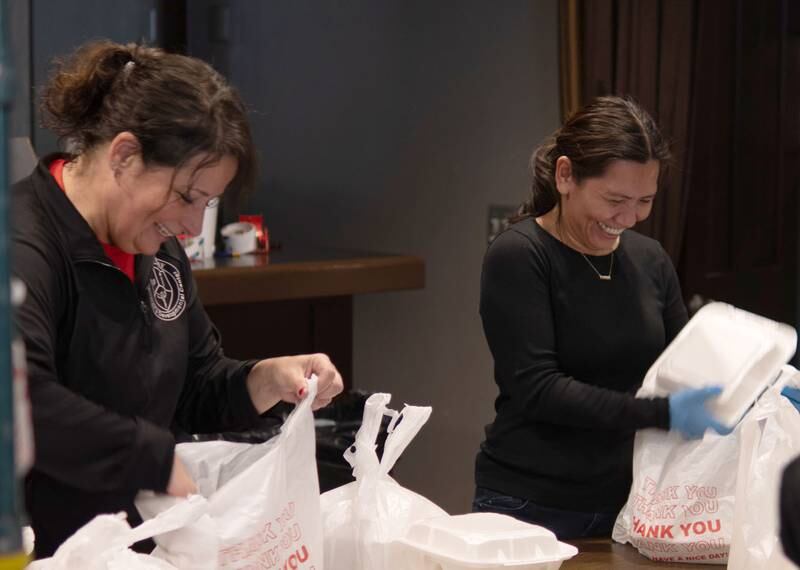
x=600 y=275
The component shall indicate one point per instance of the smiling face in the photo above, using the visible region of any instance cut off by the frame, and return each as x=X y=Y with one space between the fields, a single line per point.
x=151 y=204
x=596 y=210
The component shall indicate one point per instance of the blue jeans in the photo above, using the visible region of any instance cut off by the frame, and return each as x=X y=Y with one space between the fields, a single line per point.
x=565 y=524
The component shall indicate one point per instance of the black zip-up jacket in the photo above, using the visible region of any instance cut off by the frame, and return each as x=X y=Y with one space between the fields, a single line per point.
x=112 y=365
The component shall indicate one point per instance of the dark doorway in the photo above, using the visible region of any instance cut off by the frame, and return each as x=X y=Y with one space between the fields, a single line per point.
x=741 y=228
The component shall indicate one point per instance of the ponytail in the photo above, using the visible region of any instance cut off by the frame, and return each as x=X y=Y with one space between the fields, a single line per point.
x=72 y=102
x=544 y=195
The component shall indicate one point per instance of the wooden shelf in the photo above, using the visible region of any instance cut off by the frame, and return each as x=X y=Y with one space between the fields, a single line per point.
x=304 y=274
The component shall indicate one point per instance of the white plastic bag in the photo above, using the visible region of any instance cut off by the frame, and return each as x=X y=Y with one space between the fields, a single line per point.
x=262 y=502
x=714 y=500
x=362 y=518
x=680 y=508
x=770 y=438
x=103 y=543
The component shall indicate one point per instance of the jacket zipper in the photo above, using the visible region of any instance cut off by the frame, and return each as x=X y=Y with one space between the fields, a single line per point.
x=144 y=309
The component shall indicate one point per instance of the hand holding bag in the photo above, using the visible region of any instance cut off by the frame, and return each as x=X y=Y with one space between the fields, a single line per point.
x=263 y=504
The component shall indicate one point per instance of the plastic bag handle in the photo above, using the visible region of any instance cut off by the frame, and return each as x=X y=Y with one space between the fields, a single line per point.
x=395 y=415
x=364 y=459
x=400 y=435
x=180 y=513
x=303 y=404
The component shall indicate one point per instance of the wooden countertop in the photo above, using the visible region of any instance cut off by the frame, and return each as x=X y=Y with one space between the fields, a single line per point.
x=302 y=273
x=603 y=553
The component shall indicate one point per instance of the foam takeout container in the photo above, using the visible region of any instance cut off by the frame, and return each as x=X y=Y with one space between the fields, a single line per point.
x=485 y=541
x=725 y=346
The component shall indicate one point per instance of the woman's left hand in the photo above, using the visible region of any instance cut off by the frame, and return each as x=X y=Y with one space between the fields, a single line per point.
x=285 y=379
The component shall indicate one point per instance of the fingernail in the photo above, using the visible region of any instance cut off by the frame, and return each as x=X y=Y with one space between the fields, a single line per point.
x=301 y=392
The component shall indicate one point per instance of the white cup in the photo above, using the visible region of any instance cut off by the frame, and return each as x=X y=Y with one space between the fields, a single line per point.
x=209 y=231
x=239 y=238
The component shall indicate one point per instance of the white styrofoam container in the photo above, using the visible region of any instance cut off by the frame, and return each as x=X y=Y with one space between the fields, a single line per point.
x=486 y=541
x=725 y=346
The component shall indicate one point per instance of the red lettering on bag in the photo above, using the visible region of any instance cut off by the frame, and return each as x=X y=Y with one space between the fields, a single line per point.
x=702 y=527
x=294 y=560
x=693 y=509
x=668 y=493
x=286 y=515
x=665 y=512
x=700 y=507
x=304 y=556
x=638 y=527
x=267 y=533
x=654 y=546
x=699 y=491
x=649 y=486
x=709 y=544
x=295 y=533
x=655 y=531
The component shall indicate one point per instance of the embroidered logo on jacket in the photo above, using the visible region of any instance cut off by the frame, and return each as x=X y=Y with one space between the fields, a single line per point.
x=167 y=298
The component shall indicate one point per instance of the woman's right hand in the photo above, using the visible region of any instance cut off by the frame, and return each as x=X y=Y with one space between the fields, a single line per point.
x=180 y=483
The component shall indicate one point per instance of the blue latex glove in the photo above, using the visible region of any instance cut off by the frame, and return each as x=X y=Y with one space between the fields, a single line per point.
x=688 y=413
x=793 y=395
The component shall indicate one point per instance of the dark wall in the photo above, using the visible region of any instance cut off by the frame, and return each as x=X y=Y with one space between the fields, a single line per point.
x=59 y=27
x=392 y=126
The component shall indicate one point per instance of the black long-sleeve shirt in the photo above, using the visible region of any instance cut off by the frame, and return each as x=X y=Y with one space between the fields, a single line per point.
x=570 y=350
x=112 y=365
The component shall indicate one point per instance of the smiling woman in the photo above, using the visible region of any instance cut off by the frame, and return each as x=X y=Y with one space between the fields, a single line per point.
x=120 y=351
x=576 y=306
x=143 y=128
